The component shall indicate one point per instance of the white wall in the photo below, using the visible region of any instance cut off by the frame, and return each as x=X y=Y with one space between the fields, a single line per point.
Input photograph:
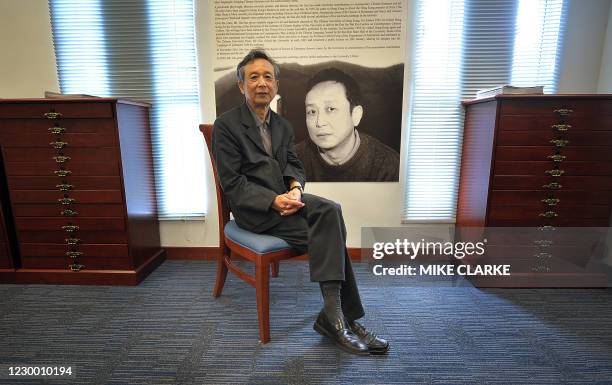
x=605 y=73
x=27 y=69
x=584 y=40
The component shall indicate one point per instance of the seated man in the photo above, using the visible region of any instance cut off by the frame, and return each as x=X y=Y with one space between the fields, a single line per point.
x=263 y=180
x=336 y=151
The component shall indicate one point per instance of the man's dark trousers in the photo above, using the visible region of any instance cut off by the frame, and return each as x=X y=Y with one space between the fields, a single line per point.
x=318 y=229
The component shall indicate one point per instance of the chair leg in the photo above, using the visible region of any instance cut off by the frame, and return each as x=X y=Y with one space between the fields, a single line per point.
x=262 y=289
x=221 y=275
x=275 y=269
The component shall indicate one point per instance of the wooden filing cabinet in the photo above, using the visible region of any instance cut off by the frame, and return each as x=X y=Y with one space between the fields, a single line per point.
x=81 y=190
x=543 y=163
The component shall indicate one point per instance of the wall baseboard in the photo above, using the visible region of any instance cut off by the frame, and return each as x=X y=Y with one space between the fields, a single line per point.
x=192 y=253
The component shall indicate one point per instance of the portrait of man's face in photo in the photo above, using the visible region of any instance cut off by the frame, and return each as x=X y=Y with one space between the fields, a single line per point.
x=330 y=117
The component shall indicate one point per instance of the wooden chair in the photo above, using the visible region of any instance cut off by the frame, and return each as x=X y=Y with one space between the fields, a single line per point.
x=264 y=251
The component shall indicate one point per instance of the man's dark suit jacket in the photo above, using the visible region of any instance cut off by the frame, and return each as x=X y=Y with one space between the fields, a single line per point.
x=249 y=177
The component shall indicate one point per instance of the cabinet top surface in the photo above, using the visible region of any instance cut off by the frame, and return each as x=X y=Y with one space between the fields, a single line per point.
x=537 y=97
x=75 y=100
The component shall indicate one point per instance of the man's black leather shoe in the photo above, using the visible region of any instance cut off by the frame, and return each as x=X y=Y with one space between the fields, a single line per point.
x=340 y=334
x=375 y=344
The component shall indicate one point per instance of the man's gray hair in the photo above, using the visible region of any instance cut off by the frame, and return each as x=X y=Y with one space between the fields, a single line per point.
x=252 y=55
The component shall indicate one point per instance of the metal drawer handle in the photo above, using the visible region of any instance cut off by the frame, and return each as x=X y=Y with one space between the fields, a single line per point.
x=543 y=242
x=58 y=145
x=560 y=142
x=56 y=130
x=552 y=186
x=561 y=127
x=551 y=201
x=547 y=228
x=64 y=187
x=540 y=269
x=564 y=111
x=74 y=254
x=549 y=214
x=52 y=115
x=543 y=255
x=76 y=267
x=70 y=228
x=554 y=172
x=72 y=241
x=69 y=213
x=62 y=173
x=66 y=201
x=61 y=159
x=556 y=157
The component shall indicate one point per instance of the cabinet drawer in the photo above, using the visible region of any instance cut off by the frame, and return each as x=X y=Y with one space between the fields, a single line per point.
x=90 y=263
x=53 y=210
x=585 y=251
x=532 y=213
x=60 y=236
x=539 y=168
x=534 y=198
x=37 y=154
x=557 y=222
x=106 y=139
x=523 y=182
x=543 y=138
x=51 y=182
x=47 y=168
x=54 y=224
x=59 y=250
x=586 y=153
x=547 y=107
x=528 y=122
x=67 y=110
x=552 y=260
x=590 y=238
x=12 y=128
x=81 y=196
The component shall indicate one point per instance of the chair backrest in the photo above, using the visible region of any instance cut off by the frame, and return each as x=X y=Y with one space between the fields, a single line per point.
x=222 y=205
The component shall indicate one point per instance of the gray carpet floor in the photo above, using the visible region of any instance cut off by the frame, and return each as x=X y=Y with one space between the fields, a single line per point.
x=169 y=330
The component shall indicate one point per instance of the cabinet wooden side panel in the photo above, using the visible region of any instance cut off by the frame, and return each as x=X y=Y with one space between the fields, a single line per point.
x=478 y=136
x=139 y=182
x=5 y=254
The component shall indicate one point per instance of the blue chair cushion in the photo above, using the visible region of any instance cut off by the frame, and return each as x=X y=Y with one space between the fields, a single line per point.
x=258 y=243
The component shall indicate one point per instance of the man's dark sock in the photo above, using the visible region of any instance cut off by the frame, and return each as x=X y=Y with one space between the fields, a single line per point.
x=332 y=306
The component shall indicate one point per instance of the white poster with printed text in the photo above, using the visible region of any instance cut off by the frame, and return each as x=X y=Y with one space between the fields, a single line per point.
x=331 y=54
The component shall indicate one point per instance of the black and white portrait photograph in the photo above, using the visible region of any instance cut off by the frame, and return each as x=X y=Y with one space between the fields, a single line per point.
x=346 y=117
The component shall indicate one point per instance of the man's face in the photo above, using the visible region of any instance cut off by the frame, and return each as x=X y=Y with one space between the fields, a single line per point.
x=329 y=118
x=260 y=85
